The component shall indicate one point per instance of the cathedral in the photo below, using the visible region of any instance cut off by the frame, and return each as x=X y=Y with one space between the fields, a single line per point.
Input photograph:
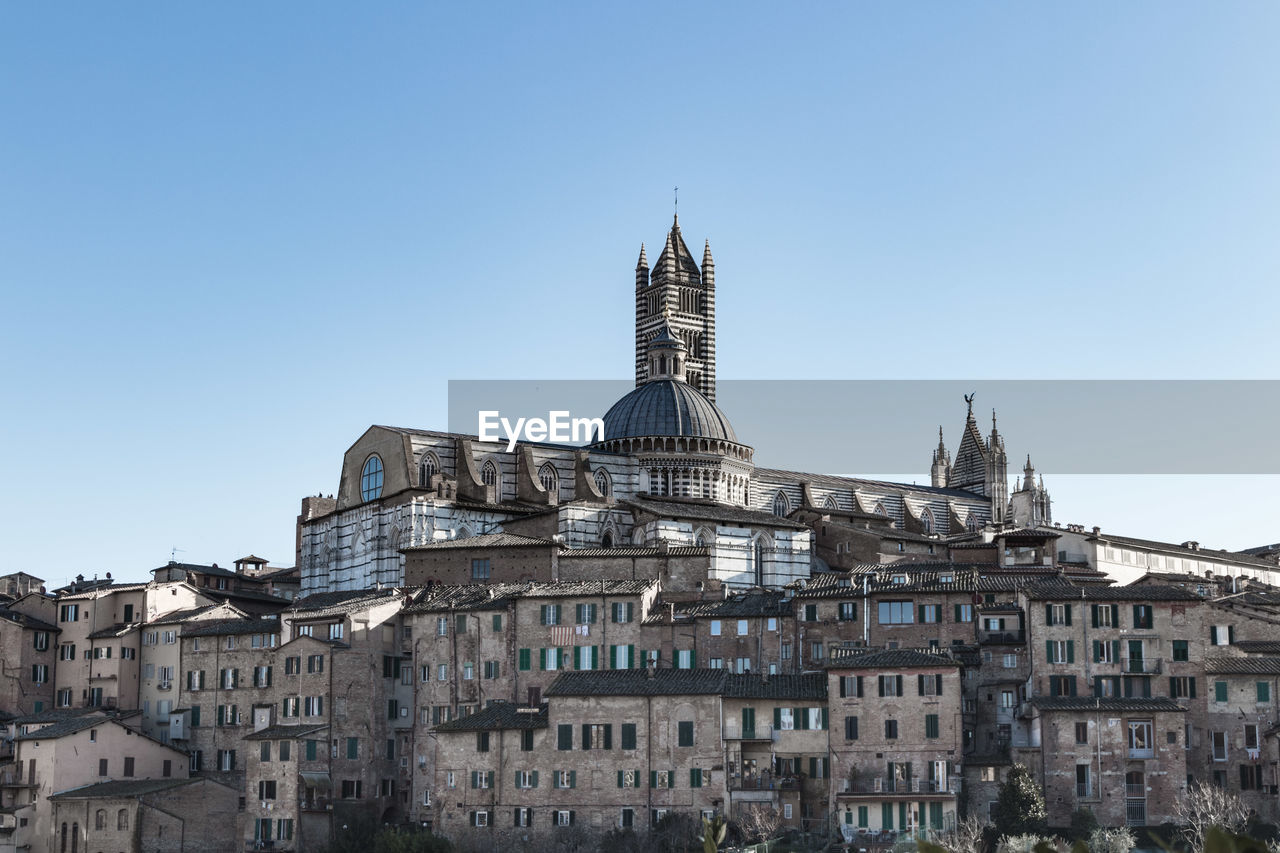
x=669 y=471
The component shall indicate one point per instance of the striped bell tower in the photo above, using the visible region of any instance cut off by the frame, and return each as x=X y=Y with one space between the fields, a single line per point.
x=682 y=295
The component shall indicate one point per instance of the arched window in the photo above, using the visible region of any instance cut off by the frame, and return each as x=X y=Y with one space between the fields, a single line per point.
x=926 y=521
x=829 y=502
x=100 y=819
x=606 y=541
x=702 y=538
x=464 y=532
x=75 y=838
x=63 y=849
x=603 y=485
x=781 y=505
x=371 y=478
x=549 y=478
x=428 y=468
x=759 y=561
x=972 y=524
x=880 y=510
x=122 y=819
x=489 y=474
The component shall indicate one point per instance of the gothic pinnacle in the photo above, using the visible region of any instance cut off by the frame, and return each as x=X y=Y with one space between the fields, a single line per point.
x=643 y=263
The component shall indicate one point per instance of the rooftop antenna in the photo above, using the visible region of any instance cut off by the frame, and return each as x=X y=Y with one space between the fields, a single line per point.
x=676 y=193
x=174 y=552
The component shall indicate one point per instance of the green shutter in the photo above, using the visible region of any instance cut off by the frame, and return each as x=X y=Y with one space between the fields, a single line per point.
x=1220 y=691
x=573 y=778
x=1213 y=635
x=957 y=612
x=1264 y=691
x=1071 y=651
x=777 y=719
x=1115 y=651
x=595 y=657
x=525 y=662
x=653 y=778
x=1192 y=683
x=825 y=718
x=1048 y=651
x=631 y=655
x=1093 y=608
x=619 y=778
x=1097 y=645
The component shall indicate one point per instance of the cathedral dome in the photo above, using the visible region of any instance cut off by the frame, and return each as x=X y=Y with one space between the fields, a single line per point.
x=666 y=407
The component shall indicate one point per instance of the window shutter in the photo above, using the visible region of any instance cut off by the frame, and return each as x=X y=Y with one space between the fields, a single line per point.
x=777 y=719
x=619 y=778
x=533 y=779
x=1097 y=648
x=1173 y=692
x=1094 y=609
x=920 y=684
x=1067 y=608
x=608 y=736
x=1191 y=682
x=957 y=613
x=843 y=692
x=938 y=685
x=1048 y=651
x=1115 y=650
x=542 y=659
x=898 y=692
x=573 y=778
x=1071 y=651
x=630 y=610
x=1048 y=613
x=1231 y=635
x=631 y=654
x=801 y=717
x=544 y=614
x=613 y=657
x=475 y=779
x=825 y=719
x=586 y=736
x=693 y=659
x=859 y=683
x=1213 y=635
x=653 y=778
x=880 y=679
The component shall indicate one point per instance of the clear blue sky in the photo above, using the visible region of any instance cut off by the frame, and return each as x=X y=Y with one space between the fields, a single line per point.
x=232 y=235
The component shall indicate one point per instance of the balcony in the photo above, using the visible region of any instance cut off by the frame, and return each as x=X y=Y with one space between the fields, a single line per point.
x=1084 y=791
x=1135 y=792
x=1141 y=666
x=766 y=782
x=885 y=785
x=1002 y=638
x=762 y=731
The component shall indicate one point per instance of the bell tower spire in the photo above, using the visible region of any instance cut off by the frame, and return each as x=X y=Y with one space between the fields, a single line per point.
x=676 y=284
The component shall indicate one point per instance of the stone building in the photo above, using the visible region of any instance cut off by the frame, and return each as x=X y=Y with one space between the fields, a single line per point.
x=29 y=642
x=620 y=748
x=1124 y=759
x=288 y=787
x=1242 y=707
x=61 y=751
x=776 y=746
x=183 y=815
x=896 y=738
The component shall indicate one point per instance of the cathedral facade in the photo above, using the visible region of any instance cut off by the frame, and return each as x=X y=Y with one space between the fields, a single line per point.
x=669 y=470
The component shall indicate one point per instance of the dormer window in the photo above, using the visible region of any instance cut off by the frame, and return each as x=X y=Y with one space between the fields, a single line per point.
x=899 y=578
x=371 y=478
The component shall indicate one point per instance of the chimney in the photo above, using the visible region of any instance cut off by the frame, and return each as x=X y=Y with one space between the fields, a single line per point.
x=1097 y=531
x=535 y=696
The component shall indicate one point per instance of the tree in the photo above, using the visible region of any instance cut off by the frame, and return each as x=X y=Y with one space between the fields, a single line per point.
x=966 y=837
x=1029 y=843
x=713 y=832
x=1019 y=806
x=758 y=823
x=1119 y=840
x=1205 y=806
x=1083 y=824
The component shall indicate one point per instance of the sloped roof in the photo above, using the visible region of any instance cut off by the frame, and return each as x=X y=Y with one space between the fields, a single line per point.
x=740 y=606
x=1199 y=553
x=671 y=507
x=1233 y=665
x=113 y=631
x=285 y=732
x=759 y=686
x=321 y=604
x=484 y=540
x=119 y=788
x=1059 y=589
x=637 y=551
x=223 y=627
x=26 y=620
x=831 y=480
x=499 y=715
x=841 y=657
x=1091 y=703
x=1259 y=647
x=638 y=682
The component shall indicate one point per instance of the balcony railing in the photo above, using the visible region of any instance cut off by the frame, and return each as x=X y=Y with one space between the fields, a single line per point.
x=1002 y=638
x=1142 y=666
x=1135 y=792
x=766 y=783
x=1141 y=752
x=885 y=785
x=761 y=731
x=1083 y=790
x=1135 y=813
